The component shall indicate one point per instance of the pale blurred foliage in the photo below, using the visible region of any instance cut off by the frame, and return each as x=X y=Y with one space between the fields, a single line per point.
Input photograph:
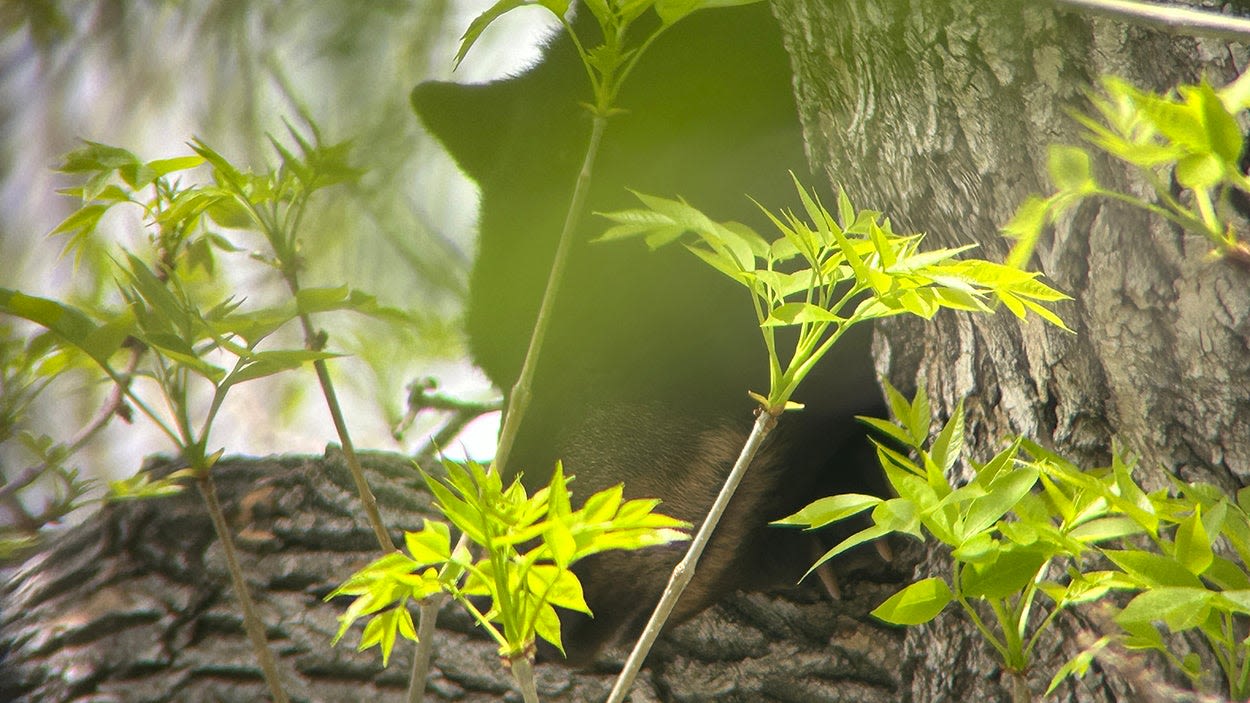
x=147 y=75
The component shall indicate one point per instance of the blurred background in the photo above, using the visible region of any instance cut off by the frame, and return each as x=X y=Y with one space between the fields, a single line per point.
x=148 y=76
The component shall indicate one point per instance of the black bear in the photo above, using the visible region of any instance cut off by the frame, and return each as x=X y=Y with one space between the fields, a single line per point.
x=649 y=357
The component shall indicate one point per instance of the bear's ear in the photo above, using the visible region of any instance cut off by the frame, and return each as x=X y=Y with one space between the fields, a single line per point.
x=465 y=118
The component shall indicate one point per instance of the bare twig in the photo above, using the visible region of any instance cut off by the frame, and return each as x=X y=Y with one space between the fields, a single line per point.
x=1180 y=20
x=448 y=432
x=420 y=398
x=367 y=498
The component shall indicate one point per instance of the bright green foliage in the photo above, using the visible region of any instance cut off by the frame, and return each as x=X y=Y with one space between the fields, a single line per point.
x=528 y=544
x=27 y=366
x=171 y=327
x=829 y=273
x=1192 y=135
x=386 y=585
x=1193 y=576
x=998 y=563
x=1022 y=533
x=608 y=62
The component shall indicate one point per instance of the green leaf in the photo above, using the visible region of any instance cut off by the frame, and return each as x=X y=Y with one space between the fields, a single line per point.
x=559 y=540
x=1004 y=493
x=828 y=510
x=481 y=22
x=898 y=515
x=66 y=321
x=1192 y=545
x=865 y=535
x=432 y=545
x=603 y=505
x=1070 y=169
x=1223 y=134
x=671 y=11
x=918 y=417
x=155 y=293
x=268 y=363
x=223 y=170
x=1006 y=576
x=917 y=604
x=82 y=222
x=1227 y=575
x=1142 y=635
x=546 y=626
x=1090 y=586
x=1199 y=171
x=980 y=548
x=1153 y=570
x=889 y=429
x=1180 y=608
x=800 y=313
x=559 y=587
x=383 y=628
x=1077 y=666
x=164 y=167
x=94 y=156
x=947 y=447
x=1104 y=529
x=1236 y=600
x=1180 y=123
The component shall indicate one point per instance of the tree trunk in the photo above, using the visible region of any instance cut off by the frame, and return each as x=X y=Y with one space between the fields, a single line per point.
x=939 y=113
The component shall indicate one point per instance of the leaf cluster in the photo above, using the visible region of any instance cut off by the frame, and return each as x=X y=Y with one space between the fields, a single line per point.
x=27 y=366
x=527 y=542
x=1031 y=534
x=169 y=330
x=1191 y=136
x=828 y=273
x=1188 y=568
x=609 y=58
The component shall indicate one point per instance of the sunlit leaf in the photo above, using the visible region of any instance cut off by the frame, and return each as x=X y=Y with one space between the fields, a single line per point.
x=829 y=510
x=918 y=603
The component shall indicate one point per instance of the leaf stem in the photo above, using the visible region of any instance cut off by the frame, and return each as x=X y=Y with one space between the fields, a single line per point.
x=427 y=620
x=972 y=613
x=312 y=342
x=519 y=398
x=523 y=672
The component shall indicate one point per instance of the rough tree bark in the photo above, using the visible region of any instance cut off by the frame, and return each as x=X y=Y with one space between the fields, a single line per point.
x=939 y=112
x=135 y=605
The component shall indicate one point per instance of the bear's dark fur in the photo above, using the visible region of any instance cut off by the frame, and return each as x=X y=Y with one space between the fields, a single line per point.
x=646 y=368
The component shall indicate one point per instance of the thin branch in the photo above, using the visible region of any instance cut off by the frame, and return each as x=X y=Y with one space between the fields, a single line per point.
x=523 y=672
x=1169 y=18
x=427 y=622
x=684 y=571
x=251 y=621
x=448 y=432
x=314 y=341
x=519 y=399
x=349 y=453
